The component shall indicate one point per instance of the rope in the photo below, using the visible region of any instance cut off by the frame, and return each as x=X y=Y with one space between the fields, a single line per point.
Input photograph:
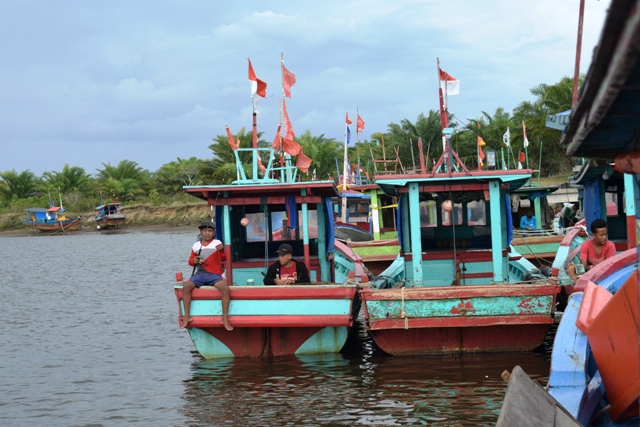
x=403 y=314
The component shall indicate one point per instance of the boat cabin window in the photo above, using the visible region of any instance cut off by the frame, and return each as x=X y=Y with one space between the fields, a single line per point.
x=428 y=216
x=456 y=212
x=257 y=228
x=477 y=213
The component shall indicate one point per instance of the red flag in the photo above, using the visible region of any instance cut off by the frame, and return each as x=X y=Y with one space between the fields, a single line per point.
x=258 y=87
x=360 y=124
x=303 y=162
x=522 y=157
x=232 y=142
x=276 y=140
x=288 y=80
x=290 y=146
x=347 y=119
x=449 y=84
x=262 y=168
x=288 y=129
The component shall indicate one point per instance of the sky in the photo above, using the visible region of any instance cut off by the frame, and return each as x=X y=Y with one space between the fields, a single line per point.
x=88 y=83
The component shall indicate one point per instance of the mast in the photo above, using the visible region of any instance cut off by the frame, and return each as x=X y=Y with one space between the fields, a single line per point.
x=279 y=149
x=444 y=118
x=344 y=172
x=576 y=73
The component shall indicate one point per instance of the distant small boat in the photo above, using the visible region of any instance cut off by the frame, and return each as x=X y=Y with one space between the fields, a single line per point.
x=50 y=220
x=352 y=233
x=109 y=216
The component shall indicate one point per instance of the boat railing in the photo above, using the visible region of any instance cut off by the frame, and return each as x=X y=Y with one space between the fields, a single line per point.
x=287 y=173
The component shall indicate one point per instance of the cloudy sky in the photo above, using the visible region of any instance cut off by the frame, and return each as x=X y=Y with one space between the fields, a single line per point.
x=89 y=82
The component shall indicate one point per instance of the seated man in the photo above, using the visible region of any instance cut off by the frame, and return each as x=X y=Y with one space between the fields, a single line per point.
x=528 y=222
x=595 y=250
x=286 y=271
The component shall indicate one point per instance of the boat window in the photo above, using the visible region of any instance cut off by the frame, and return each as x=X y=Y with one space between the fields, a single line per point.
x=477 y=213
x=279 y=227
x=428 y=216
x=312 y=219
x=257 y=227
x=457 y=212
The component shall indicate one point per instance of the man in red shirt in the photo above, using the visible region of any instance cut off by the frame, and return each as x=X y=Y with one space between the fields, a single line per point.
x=595 y=250
x=207 y=256
x=286 y=271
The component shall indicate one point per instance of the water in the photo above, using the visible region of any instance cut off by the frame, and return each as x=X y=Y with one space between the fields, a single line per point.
x=90 y=338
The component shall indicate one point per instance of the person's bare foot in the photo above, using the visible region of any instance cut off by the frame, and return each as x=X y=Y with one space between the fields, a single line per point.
x=185 y=321
x=571 y=271
x=226 y=325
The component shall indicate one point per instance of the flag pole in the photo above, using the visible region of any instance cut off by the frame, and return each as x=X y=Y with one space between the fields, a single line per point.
x=358 y=145
x=540 y=163
x=344 y=176
x=280 y=126
x=444 y=119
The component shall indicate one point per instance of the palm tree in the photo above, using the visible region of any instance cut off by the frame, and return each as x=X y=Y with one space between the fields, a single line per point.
x=172 y=176
x=68 y=180
x=17 y=185
x=125 y=170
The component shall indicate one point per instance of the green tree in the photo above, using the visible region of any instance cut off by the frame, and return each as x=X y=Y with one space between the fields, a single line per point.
x=70 y=179
x=20 y=185
x=172 y=176
x=128 y=177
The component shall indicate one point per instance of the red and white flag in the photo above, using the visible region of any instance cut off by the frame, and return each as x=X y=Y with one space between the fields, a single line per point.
x=288 y=80
x=258 y=87
x=347 y=119
x=449 y=84
x=524 y=134
x=360 y=124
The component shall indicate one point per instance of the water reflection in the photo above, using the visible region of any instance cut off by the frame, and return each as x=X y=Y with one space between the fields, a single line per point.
x=362 y=386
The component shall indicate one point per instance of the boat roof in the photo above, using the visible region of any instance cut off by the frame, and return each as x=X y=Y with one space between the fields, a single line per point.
x=513 y=179
x=313 y=188
x=525 y=189
x=54 y=209
x=37 y=209
x=108 y=204
x=606 y=119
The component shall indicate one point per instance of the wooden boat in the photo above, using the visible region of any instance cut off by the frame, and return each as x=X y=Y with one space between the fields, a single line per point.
x=254 y=215
x=596 y=353
x=457 y=286
x=540 y=245
x=109 y=216
x=50 y=220
x=274 y=320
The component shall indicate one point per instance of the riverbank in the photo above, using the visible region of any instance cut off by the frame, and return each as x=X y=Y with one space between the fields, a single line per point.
x=144 y=218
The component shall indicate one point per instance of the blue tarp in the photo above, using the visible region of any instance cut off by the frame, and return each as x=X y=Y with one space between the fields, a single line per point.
x=591 y=202
x=331 y=233
x=292 y=211
x=219 y=214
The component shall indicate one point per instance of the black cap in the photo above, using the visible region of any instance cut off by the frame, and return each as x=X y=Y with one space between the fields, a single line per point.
x=284 y=249
x=207 y=224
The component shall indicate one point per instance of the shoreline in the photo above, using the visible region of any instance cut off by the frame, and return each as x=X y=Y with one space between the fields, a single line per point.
x=155 y=228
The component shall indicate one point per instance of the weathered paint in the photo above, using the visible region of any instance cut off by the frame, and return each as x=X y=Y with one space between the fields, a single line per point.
x=325 y=267
x=305 y=231
x=208 y=346
x=451 y=307
x=416 y=278
x=496 y=224
x=376 y=218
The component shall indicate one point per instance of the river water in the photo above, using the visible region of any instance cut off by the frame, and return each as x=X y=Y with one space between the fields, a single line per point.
x=90 y=338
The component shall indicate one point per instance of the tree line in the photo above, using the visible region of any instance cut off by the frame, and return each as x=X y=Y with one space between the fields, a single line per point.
x=129 y=182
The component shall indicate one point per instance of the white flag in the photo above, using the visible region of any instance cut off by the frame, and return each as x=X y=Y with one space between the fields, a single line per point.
x=524 y=133
x=506 y=138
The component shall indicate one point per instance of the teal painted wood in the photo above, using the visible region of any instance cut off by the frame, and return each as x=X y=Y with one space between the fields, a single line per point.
x=226 y=214
x=629 y=191
x=406 y=243
x=291 y=307
x=208 y=346
x=482 y=306
x=438 y=272
x=326 y=340
x=416 y=276
x=538 y=213
x=496 y=224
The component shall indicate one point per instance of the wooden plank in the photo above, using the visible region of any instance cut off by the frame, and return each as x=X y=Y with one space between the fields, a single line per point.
x=527 y=404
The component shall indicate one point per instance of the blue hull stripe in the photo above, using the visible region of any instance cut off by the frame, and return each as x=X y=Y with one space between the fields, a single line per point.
x=273 y=307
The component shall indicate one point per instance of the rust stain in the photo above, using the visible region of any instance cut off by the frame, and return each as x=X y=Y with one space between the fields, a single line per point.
x=463 y=308
x=526 y=306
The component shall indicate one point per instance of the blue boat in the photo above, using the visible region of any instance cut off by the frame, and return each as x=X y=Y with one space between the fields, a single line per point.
x=50 y=220
x=596 y=376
